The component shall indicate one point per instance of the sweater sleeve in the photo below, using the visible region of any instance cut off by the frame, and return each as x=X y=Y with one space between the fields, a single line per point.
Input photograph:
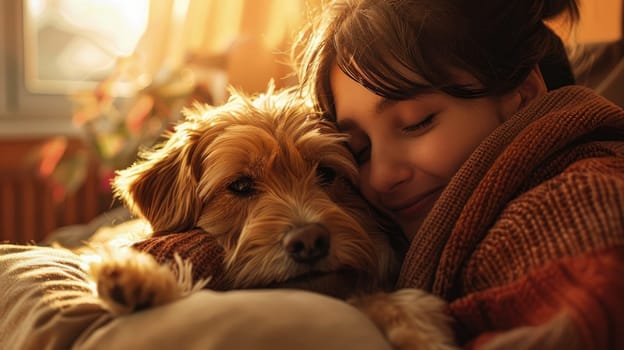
x=572 y=303
x=199 y=248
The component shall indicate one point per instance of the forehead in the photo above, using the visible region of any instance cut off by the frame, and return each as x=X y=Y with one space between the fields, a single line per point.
x=350 y=99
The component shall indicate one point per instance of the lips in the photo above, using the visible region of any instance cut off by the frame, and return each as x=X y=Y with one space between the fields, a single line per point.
x=418 y=205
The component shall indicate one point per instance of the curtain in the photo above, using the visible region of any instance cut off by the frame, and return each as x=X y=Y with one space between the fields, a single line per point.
x=239 y=42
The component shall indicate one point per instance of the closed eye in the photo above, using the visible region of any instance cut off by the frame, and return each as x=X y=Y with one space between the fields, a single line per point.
x=362 y=155
x=423 y=124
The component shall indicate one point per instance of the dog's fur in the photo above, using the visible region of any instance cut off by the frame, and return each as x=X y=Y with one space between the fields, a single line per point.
x=273 y=183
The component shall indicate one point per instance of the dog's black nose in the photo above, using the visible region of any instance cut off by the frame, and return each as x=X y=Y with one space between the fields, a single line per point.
x=308 y=243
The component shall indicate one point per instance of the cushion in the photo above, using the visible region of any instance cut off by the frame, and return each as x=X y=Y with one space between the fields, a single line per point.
x=47 y=301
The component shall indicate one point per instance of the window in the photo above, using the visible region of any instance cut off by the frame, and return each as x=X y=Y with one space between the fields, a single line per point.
x=50 y=49
x=70 y=44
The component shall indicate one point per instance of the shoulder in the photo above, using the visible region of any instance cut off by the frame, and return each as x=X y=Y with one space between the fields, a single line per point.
x=587 y=196
x=589 y=189
x=580 y=210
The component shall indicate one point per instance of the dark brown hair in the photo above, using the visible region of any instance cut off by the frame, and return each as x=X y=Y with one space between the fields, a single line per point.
x=375 y=42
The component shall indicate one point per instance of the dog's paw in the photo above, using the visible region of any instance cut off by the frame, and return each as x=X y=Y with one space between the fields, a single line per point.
x=410 y=319
x=128 y=280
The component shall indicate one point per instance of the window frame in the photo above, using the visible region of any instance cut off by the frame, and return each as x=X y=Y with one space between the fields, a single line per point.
x=25 y=113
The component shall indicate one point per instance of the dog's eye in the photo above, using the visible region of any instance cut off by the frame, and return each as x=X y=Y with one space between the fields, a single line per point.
x=243 y=186
x=326 y=175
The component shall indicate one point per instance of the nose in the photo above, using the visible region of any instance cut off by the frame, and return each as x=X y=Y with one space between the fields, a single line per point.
x=386 y=170
x=307 y=244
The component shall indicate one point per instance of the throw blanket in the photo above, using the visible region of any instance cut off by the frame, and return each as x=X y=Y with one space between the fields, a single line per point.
x=529 y=235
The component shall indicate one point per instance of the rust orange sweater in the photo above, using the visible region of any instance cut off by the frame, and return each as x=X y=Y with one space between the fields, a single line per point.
x=527 y=241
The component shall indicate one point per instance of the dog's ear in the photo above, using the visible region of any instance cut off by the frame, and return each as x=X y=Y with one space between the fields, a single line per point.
x=162 y=185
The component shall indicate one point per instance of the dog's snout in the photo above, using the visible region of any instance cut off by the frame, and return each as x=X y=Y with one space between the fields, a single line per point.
x=308 y=243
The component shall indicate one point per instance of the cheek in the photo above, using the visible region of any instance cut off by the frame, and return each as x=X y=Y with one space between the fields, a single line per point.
x=460 y=141
x=442 y=152
x=447 y=157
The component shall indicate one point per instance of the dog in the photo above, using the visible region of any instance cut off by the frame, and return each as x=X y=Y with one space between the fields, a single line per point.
x=273 y=183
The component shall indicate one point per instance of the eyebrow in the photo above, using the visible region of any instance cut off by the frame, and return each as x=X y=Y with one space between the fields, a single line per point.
x=384 y=104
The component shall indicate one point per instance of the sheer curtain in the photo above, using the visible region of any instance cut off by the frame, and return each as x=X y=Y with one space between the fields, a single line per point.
x=244 y=40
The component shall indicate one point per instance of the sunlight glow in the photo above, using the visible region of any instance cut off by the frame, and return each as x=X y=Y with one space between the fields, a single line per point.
x=79 y=40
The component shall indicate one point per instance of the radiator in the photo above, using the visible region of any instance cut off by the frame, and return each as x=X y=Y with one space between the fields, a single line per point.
x=28 y=211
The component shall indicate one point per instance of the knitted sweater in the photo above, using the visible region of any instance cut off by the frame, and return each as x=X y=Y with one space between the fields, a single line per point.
x=527 y=240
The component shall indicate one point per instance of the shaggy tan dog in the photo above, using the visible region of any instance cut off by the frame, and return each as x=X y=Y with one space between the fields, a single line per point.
x=273 y=184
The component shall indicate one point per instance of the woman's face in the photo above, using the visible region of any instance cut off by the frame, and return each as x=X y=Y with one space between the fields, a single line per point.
x=409 y=150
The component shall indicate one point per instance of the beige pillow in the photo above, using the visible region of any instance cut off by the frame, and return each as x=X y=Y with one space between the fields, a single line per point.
x=46 y=302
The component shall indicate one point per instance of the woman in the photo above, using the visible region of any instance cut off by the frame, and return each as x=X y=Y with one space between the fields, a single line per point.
x=509 y=184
